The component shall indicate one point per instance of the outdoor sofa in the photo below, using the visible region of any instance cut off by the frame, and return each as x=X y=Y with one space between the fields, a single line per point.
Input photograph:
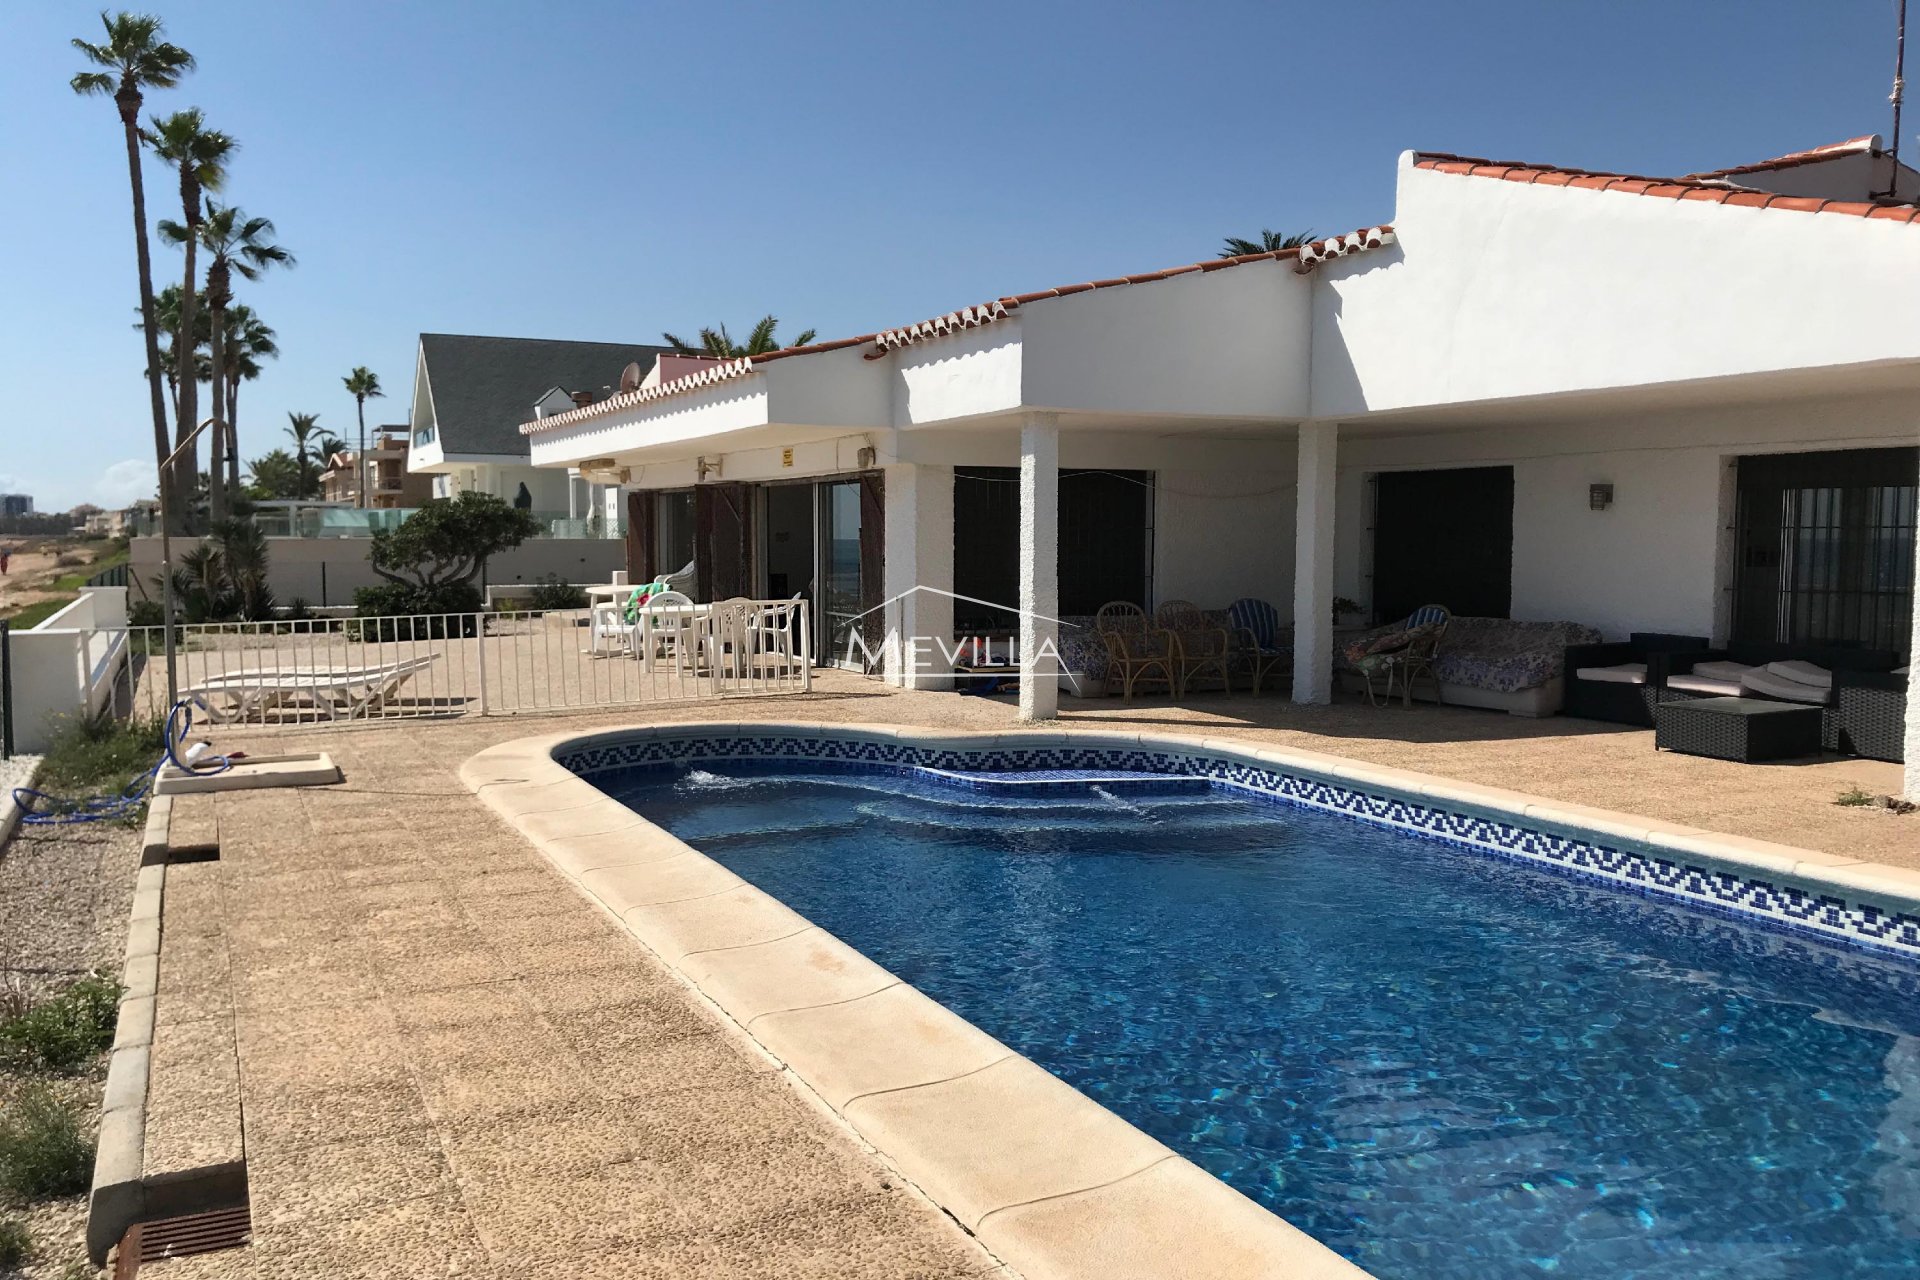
x=1862 y=697
x=1619 y=681
x=1510 y=666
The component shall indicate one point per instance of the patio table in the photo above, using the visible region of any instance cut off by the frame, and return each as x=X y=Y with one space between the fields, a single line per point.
x=1745 y=730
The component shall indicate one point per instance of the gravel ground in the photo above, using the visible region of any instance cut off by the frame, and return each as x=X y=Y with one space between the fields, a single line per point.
x=64 y=897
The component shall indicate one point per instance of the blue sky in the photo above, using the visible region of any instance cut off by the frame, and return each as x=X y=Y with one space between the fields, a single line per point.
x=605 y=170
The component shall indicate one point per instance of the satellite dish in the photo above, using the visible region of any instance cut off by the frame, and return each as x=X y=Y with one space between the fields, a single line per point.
x=630 y=377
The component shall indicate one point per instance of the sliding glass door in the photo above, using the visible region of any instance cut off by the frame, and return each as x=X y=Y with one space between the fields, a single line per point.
x=840 y=581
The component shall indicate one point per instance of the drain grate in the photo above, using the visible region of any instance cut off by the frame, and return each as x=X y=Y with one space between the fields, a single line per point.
x=181 y=1237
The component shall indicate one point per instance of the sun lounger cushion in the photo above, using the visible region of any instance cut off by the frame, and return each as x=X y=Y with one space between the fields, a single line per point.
x=1901 y=671
x=1720 y=670
x=1768 y=684
x=1706 y=685
x=1803 y=673
x=1625 y=673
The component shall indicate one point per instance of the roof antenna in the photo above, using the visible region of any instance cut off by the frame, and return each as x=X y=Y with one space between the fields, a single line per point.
x=1899 y=91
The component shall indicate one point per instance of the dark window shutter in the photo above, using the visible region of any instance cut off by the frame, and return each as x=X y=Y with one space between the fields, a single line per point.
x=873 y=556
x=723 y=539
x=640 y=536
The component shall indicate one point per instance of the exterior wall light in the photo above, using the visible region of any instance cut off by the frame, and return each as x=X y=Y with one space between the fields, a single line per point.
x=1599 y=497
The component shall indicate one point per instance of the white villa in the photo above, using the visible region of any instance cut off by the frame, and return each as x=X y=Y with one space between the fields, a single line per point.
x=1533 y=392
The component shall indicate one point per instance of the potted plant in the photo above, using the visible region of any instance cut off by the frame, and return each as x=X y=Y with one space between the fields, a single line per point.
x=1344 y=608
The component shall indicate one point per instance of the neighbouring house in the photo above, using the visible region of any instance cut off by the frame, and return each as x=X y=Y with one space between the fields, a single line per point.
x=390 y=484
x=471 y=393
x=1680 y=405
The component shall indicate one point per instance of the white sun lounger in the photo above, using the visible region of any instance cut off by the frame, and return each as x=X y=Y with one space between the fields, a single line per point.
x=355 y=691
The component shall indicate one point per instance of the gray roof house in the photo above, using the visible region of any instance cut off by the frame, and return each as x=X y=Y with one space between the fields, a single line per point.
x=471 y=393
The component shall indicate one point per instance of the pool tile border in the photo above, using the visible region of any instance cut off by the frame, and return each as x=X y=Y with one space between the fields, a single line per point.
x=1861 y=903
x=1081 y=1213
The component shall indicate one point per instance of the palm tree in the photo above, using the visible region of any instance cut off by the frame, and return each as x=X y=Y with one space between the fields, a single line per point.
x=249 y=341
x=1269 y=242
x=137 y=59
x=365 y=385
x=719 y=344
x=305 y=427
x=166 y=317
x=234 y=242
x=200 y=154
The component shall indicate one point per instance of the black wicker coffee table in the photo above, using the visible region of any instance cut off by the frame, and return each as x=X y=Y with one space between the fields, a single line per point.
x=1747 y=730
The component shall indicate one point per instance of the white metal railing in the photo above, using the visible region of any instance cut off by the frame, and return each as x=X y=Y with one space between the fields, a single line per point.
x=321 y=670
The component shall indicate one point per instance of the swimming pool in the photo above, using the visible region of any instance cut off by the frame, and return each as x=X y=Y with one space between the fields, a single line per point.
x=1440 y=1064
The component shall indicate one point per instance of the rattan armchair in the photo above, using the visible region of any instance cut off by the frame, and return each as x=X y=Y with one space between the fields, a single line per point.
x=1414 y=660
x=1137 y=651
x=1198 y=651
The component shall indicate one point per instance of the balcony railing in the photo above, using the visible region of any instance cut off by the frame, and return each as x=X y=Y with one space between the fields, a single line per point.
x=354 y=522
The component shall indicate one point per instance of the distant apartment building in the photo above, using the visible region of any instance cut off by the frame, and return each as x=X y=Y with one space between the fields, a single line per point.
x=389 y=483
x=16 y=504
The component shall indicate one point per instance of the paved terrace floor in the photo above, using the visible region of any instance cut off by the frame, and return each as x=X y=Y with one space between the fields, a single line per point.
x=451 y=1065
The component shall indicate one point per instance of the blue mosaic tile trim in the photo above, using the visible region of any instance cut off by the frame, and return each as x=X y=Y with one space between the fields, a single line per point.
x=1068 y=782
x=1643 y=871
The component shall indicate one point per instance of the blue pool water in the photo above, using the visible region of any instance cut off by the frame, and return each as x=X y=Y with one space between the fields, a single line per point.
x=1441 y=1064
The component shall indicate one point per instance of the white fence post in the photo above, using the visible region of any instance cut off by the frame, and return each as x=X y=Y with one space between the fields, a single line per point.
x=480 y=642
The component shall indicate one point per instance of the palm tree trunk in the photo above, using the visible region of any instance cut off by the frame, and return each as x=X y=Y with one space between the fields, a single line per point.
x=189 y=378
x=360 y=404
x=217 y=448
x=184 y=346
x=129 y=105
x=233 y=434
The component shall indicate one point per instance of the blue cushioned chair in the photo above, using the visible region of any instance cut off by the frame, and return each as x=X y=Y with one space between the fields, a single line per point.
x=1257 y=629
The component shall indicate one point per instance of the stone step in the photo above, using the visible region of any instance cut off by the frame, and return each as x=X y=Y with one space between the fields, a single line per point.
x=194 y=1154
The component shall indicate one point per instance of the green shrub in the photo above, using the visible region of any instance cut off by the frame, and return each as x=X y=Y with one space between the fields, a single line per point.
x=396 y=600
x=1854 y=797
x=45 y=1148
x=551 y=593
x=99 y=754
x=146 y=613
x=16 y=1246
x=66 y=1032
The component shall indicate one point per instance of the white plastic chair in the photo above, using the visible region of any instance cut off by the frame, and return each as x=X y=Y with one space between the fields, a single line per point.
x=610 y=629
x=667 y=627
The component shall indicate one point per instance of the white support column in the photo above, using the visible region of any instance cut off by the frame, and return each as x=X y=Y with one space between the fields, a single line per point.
x=1313 y=563
x=1039 y=566
x=919 y=567
x=1912 y=753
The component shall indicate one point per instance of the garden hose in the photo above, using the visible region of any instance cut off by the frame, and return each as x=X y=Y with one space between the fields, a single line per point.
x=99 y=808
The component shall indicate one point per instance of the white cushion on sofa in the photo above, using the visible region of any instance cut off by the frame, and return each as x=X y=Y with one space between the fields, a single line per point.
x=1770 y=685
x=1625 y=673
x=1705 y=684
x=1802 y=673
x=1720 y=670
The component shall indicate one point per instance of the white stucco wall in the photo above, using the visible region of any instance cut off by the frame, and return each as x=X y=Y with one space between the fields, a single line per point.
x=1228 y=342
x=1656 y=559
x=1221 y=535
x=973 y=372
x=1502 y=289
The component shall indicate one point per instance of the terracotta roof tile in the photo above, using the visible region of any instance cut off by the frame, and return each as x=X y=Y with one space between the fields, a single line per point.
x=1712 y=187
x=1866 y=143
x=1305 y=258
